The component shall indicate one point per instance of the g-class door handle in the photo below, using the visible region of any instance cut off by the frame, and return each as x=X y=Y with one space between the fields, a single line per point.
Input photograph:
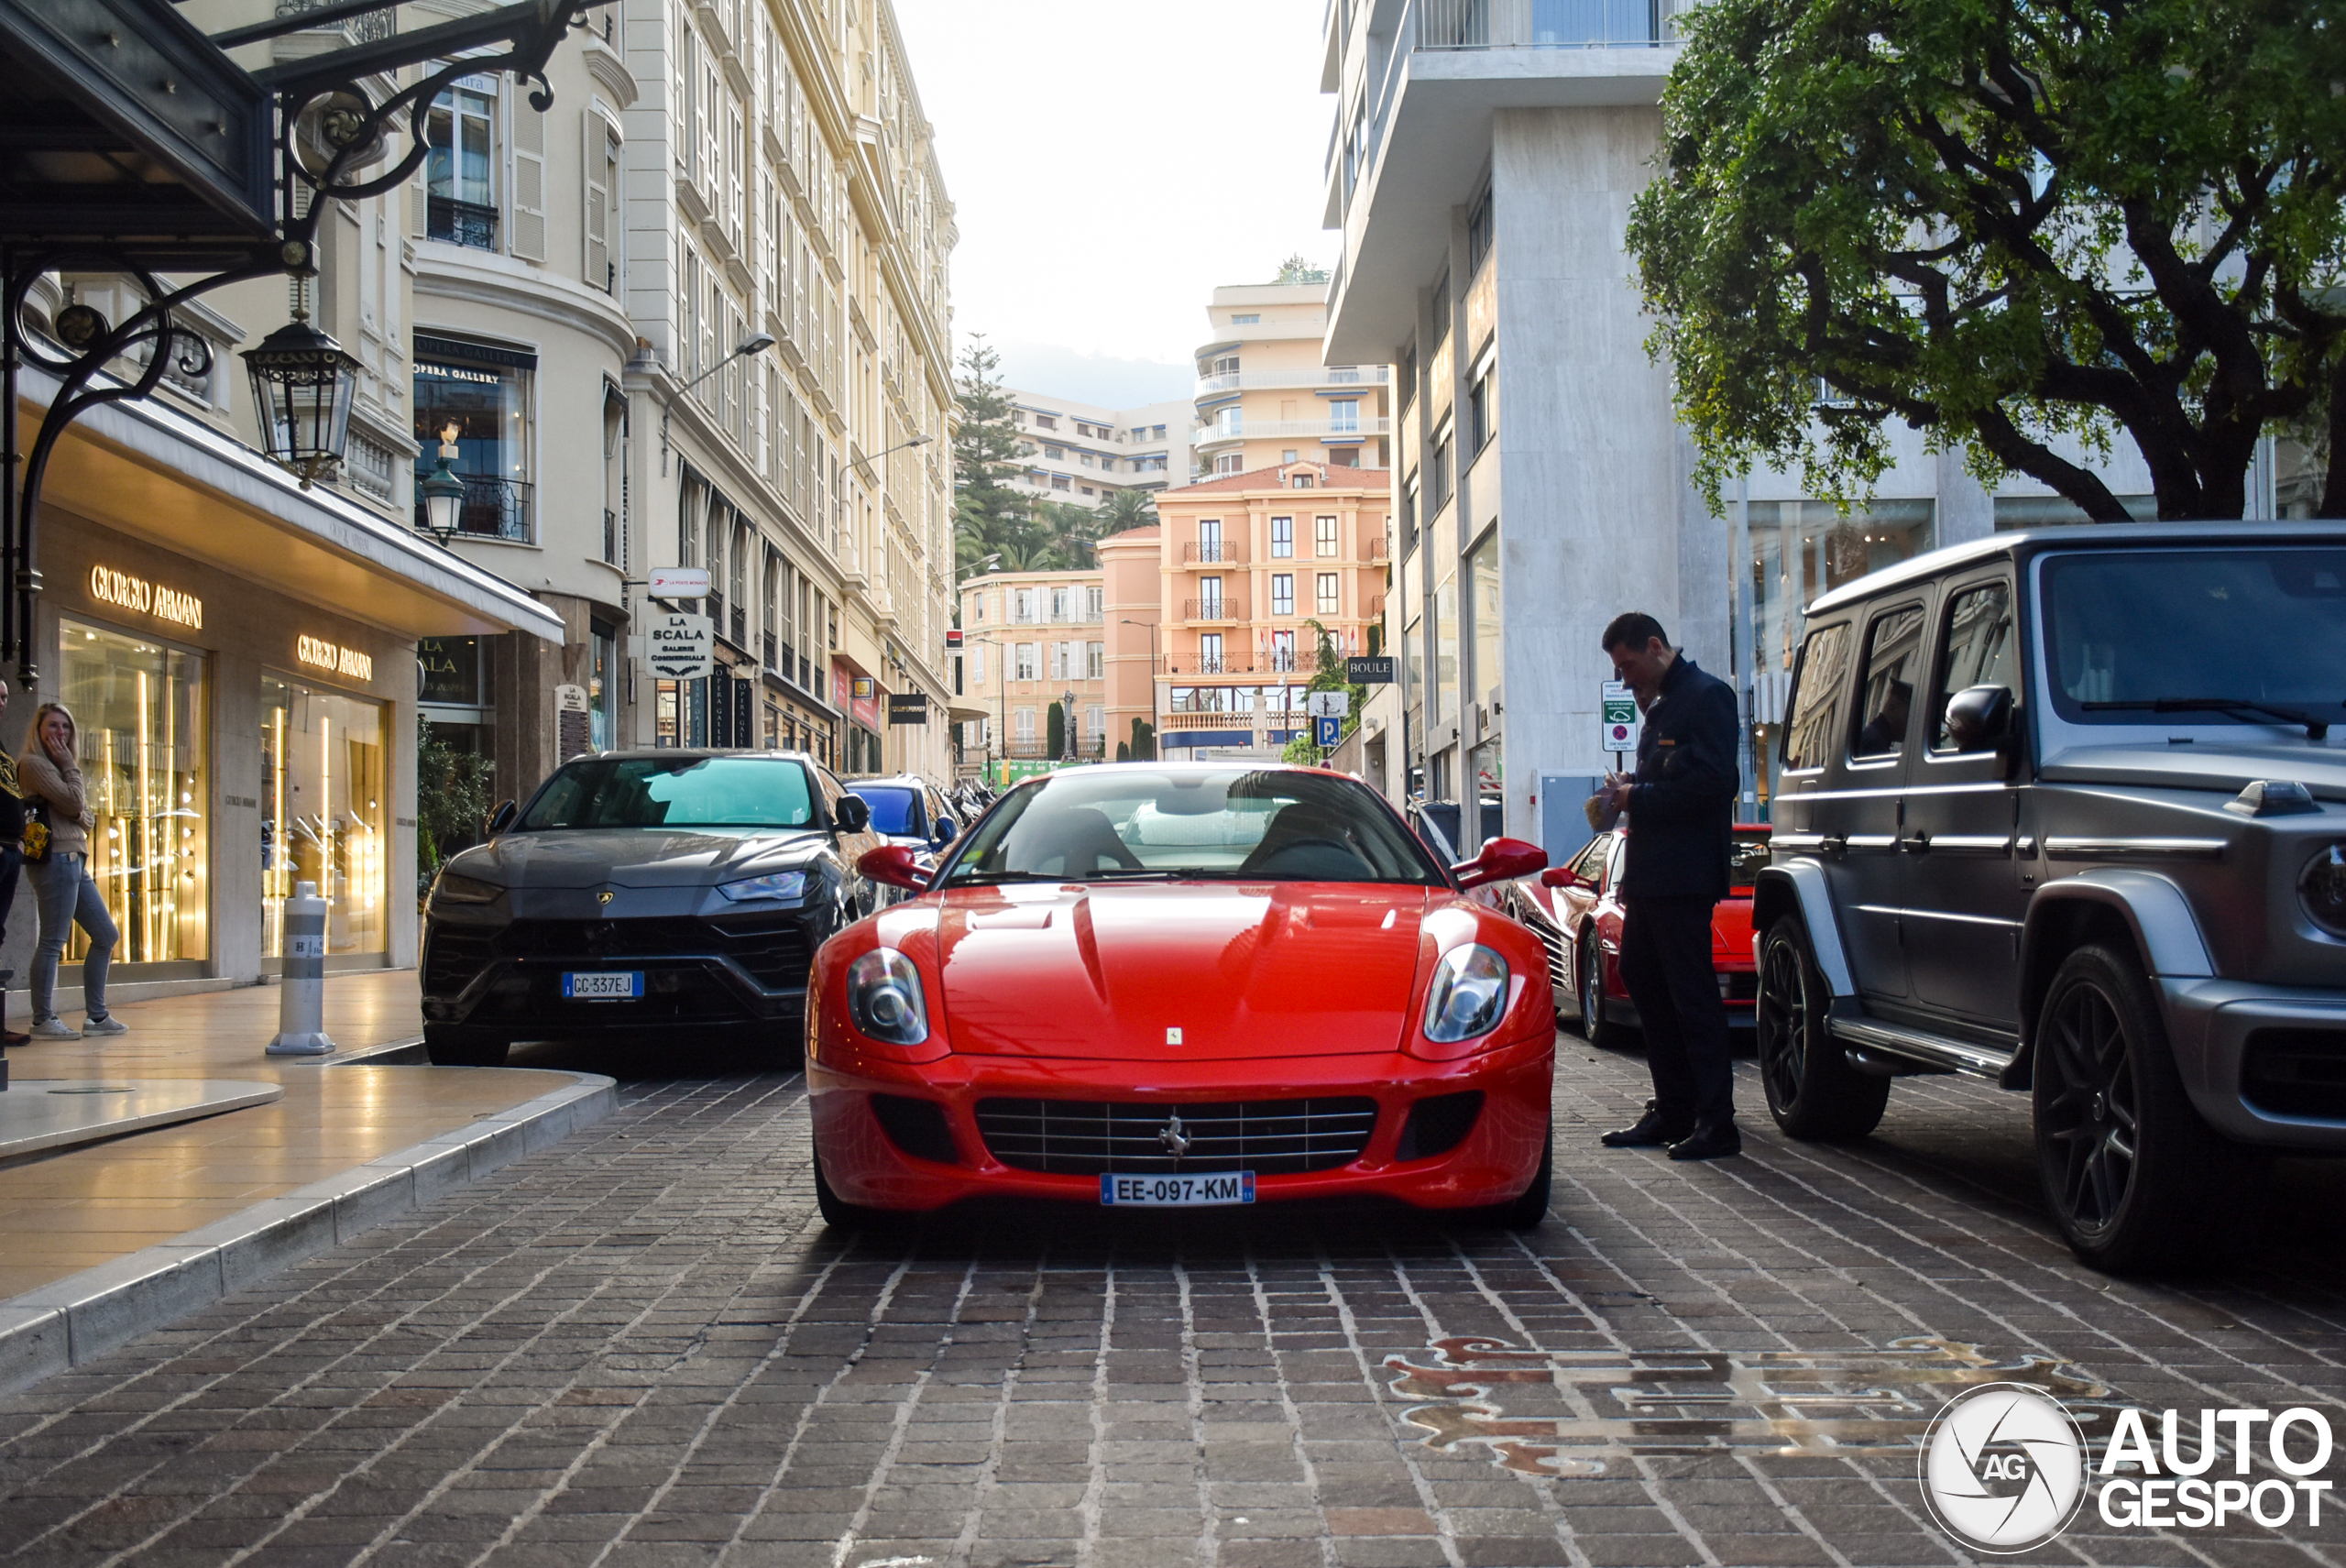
x=1834 y=844
x=1915 y=844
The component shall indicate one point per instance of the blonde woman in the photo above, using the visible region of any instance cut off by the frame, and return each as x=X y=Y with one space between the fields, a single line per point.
x=63 y=890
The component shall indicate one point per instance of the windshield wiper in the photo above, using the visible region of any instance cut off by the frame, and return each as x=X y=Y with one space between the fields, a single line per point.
x=995 y=879
x=2315 y=729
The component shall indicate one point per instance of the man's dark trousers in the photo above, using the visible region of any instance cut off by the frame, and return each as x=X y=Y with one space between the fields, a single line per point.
x=1666 y=964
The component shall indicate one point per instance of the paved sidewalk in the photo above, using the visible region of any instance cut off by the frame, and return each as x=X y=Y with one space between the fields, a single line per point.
x=639 y=1349
x=72 y=1210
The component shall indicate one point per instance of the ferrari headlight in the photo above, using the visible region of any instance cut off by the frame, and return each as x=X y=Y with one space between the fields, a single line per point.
x=454 y=889
x=1468 y=995
x=2321 y=888
x=773 y=884
x=884 y=997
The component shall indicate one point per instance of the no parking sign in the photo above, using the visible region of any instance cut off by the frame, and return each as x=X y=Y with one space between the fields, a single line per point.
x=1617 y=711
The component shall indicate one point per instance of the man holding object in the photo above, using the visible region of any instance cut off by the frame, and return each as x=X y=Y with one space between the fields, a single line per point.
x=1680 y=805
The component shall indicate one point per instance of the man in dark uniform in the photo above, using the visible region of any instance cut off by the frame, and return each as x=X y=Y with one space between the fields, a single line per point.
x=1681 y=807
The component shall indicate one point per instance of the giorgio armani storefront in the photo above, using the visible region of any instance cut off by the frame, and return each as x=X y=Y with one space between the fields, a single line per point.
x=240 y=729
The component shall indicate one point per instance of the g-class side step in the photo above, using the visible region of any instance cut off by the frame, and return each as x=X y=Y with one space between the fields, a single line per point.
x=1909 y=1049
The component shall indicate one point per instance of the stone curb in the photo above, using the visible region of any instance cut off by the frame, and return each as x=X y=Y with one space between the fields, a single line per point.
x=71 y=1321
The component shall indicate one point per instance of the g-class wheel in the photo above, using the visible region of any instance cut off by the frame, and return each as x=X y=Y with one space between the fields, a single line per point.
x=446 y=1046
x=1812 y=1092
x=2127 y=1165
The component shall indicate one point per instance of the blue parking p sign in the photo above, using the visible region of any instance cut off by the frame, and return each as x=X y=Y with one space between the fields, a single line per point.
x=1327 y=731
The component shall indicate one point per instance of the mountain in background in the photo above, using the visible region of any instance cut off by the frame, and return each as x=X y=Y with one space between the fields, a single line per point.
x=1093 y=377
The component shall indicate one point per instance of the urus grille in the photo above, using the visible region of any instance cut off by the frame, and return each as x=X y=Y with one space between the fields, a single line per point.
x=1085 y=1137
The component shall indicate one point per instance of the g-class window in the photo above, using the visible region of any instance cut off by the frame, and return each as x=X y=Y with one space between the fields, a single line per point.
x=1810 y=731
x=1980 y=651
x=1886 y=692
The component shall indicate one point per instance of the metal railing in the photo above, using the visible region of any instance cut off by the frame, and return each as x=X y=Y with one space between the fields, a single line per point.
x=1295 y=376
x=460 y=223
x=363 y=30
x=1300 y=662
x=1547 y=24
x=1206 y=435
x=1208 y=553
x=495 y=508
x=1209 y=610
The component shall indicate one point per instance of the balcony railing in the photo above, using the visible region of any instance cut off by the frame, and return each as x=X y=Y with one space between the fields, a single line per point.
x=1259 y=429
x=1374 y=549
x=461 y=222
x=1547 y=24
x=1212 y=551
x=1303 y=661
x=1209 y=610
x=1294 y=375
x=364 y=30
x=495 y=508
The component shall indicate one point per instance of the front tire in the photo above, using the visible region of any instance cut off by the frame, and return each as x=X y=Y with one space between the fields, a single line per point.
x=1594 y=1026
x=2129 y=1169
x=843 y=1216
x=1812 y=1092
x=1529 y=1210
x=445 y=1046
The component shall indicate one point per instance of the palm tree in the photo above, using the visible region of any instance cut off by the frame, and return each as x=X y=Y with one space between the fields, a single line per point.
x=1123 y=509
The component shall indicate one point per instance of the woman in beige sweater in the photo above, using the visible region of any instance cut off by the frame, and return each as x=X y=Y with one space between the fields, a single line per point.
x=63 y=890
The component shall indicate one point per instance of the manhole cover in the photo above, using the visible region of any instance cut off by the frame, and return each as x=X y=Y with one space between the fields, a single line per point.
x=1567 y=1413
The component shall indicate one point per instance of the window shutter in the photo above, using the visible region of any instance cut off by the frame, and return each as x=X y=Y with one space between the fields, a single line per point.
x=528 y=233
x=419 y=206
x=595 y=265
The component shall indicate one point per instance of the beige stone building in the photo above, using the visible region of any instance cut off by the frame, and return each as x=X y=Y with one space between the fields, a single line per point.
x=1030 y=639
x=1263 y=396
x=1084 y=454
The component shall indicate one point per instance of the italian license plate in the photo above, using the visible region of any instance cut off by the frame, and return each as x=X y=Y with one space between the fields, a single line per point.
x=603 y=985
x=1203 y=1191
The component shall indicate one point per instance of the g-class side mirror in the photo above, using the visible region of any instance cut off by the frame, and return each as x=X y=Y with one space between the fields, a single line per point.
x=502 y=818
x=1979 y=718
x=947 y=832
x=853 y=814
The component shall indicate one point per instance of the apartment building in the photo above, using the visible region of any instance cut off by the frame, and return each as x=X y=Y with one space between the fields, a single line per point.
x=1245 y=565
x=1483 y=159
x=774 y=222
x=1263 y=397
x=1031 y=640
x=1082 y=454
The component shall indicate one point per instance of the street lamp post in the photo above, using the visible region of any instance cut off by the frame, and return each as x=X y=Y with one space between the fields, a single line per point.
x=756 y=343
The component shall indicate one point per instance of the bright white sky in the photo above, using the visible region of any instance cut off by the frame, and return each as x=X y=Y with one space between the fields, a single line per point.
x=1110 y=164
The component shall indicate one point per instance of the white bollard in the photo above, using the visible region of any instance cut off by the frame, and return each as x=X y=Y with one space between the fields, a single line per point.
x=302 y=1015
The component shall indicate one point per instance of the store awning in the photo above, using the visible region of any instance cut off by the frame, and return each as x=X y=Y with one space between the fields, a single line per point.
x=148 y=470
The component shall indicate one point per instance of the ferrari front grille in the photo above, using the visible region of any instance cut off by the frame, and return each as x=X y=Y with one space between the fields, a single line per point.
x=1085 y=1137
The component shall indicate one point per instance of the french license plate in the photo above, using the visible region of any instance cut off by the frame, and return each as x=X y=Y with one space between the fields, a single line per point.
x=1205 y=1191
x=603 y=985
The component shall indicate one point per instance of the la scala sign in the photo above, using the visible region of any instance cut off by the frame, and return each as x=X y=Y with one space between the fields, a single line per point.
x=681 y=646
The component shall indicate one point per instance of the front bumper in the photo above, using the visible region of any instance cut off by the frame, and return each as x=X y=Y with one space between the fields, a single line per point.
x=2265 y=1065
x=1496 y=1161
x=507 y=978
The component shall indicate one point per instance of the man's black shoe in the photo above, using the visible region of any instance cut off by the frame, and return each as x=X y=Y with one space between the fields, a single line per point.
x=1652 y=1131
x=1708 y=1143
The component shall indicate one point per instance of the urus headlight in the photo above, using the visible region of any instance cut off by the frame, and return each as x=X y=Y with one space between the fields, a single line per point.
x=2321 y=888
x=884 y=997
x=1468 y=995
x=454 y=889
x=773 y=884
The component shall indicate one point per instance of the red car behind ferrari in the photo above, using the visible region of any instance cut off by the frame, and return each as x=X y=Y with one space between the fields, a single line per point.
x=1183 y=985
x=1575 y=911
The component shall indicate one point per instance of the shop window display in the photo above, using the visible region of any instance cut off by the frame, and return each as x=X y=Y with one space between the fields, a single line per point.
x=139 y=707
x=323 y=794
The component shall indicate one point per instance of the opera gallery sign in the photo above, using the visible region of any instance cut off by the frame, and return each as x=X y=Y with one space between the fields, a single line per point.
x=681 y=646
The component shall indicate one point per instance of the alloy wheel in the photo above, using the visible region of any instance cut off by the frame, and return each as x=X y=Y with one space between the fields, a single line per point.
x=1782 y=1024
x=1592 y=986
x=2092 y=1121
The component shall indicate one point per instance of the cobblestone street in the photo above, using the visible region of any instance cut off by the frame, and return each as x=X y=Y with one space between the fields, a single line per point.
x=641 y=1347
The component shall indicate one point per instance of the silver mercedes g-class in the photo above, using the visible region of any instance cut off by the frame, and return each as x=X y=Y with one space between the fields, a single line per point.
x=2064 y=809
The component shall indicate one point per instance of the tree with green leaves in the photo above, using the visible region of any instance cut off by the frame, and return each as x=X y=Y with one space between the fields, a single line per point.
x=1123 y=509
x=1327 y=675
x=452 y=800
x=988 y=515
x=1298 y=268
x=2024 y=228
x=1142 y=745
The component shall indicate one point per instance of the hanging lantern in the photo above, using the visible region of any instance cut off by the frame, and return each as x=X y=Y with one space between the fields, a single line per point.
x=444 y=492
x=302 y=384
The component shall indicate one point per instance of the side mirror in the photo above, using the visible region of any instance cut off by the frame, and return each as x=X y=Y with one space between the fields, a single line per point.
x=894 y=864
x=502 y=818
x=1979 y=718
x=1562 y=876
x=1502 y=859
x=947 y=832
x=853 y=814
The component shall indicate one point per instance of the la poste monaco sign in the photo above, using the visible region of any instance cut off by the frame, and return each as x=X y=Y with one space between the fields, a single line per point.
x=681 y=646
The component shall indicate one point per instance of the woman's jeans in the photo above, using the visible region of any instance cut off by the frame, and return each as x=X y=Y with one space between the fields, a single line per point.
x=64 y=895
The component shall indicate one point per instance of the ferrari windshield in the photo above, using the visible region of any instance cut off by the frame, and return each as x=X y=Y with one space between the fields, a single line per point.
x=684 y=792
x=1139 y=823
x=2201 y=636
